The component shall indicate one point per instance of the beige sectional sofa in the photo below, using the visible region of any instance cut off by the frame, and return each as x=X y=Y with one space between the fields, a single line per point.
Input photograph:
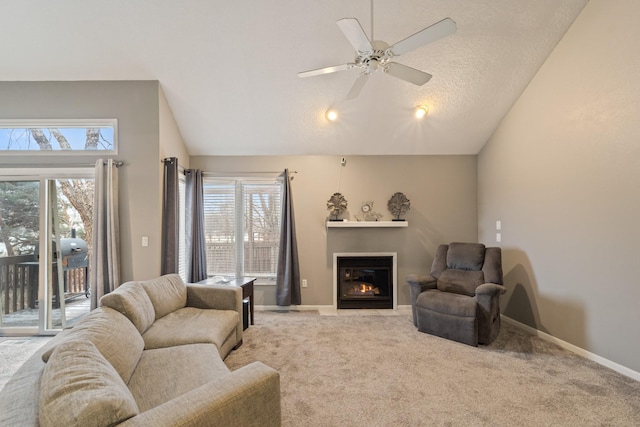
x=151 y=355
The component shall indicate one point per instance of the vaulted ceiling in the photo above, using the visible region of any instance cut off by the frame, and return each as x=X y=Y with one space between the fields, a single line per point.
x=229 y=68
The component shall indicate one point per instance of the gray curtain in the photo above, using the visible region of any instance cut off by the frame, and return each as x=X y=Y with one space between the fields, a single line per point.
x=288 y=279
x=170 y=217
x=104 y=271
x=196 y=248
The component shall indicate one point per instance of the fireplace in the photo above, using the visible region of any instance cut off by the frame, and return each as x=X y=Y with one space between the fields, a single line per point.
x=365 y=280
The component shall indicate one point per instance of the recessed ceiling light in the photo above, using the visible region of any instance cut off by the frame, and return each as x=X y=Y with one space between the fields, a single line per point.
x=421 y=111
x=331 y=115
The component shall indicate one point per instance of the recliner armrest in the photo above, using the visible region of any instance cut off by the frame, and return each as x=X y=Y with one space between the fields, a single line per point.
x=424 y=282
x=490 y=289
x=417 y=285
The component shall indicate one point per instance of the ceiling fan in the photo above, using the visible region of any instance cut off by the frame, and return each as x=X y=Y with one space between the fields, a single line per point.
x=374 y=55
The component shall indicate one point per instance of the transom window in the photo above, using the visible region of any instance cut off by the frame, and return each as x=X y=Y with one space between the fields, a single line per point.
x=58 y=136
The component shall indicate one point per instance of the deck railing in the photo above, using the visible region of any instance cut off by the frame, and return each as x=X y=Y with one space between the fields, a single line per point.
x=16 y=283
x=19 y=283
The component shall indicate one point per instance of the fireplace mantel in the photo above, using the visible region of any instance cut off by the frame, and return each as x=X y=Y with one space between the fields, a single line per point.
x=357 y=224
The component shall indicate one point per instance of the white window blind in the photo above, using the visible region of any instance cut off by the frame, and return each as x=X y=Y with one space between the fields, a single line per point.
x=242 y=227
x=262 y=211
x=182 y=245
x=219 y=226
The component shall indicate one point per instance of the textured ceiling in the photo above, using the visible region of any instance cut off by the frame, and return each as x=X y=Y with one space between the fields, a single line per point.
x=229 y=68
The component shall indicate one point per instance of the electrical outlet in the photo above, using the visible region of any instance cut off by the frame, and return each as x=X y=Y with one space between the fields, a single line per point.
x=498 y=237
x=304 y=283
x=145 y=241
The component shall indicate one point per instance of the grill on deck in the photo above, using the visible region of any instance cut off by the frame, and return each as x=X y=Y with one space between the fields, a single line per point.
x=19 y=276
x=74 y=253
x=75 y=264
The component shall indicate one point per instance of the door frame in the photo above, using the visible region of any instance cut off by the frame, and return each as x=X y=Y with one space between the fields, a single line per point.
x=43 y=176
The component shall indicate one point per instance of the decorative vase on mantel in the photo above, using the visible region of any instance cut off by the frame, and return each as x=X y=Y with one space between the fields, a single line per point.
x=398 y=205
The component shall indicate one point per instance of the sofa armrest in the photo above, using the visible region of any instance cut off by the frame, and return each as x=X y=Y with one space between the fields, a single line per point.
x=219 y=297
x=249 y=396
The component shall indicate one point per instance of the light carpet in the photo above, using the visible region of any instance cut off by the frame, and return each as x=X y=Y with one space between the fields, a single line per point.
x=376 y=370
x=14 y=352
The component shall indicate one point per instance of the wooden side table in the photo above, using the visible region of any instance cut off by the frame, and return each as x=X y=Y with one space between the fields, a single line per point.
x=246 y=283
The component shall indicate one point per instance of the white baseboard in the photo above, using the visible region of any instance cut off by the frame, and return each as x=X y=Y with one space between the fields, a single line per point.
x=307 y=307
x=292 y=307
x=575 y=349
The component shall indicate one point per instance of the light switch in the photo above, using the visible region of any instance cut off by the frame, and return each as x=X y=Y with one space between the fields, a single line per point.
x=498 y=225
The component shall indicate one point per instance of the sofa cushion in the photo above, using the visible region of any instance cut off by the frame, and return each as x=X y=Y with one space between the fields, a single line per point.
x=77 y=372
x=462 y=282
x=465 y=256
x=167 y=293
x=166 y=373
x=113 y=334
x=132 y=300
x=191 y=325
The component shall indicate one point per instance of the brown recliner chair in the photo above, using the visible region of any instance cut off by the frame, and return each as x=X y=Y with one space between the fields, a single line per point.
x=460 y=299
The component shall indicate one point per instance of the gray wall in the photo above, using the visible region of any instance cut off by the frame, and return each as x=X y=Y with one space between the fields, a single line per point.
x=136 y=105
x=442 y=190
x=562 y=173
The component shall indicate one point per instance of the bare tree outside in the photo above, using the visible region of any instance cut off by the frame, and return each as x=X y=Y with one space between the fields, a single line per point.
x=77 y=192
x=20 y=213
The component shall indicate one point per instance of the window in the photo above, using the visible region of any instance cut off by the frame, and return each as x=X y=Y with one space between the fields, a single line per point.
x=182 y=242
x=52 y=137
x=242 y=227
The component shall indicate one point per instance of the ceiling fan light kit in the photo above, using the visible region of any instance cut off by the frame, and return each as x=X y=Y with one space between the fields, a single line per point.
x=377 y=55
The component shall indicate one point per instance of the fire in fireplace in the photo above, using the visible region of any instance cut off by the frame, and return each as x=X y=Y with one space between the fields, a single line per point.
x=363 y=289
x=364 y=282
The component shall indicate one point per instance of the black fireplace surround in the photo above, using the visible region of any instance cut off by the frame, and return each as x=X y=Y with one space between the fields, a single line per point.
x=365 y=282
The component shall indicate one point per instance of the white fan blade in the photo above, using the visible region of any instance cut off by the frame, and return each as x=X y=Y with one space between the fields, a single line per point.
x=355 y=34
x=357 y=86
x=432 y=33
x=325 y=70
x=407 y=74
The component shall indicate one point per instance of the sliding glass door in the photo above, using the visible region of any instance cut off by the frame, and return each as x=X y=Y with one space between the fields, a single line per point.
x=19 y=240
x=45 y=236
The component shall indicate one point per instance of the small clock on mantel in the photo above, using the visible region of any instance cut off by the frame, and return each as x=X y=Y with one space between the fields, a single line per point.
x=367 y=212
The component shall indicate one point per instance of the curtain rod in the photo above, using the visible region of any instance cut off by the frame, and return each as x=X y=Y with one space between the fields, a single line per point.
x=180 y=168
x=237 y=172
x=116 y=163
x=242 y=173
